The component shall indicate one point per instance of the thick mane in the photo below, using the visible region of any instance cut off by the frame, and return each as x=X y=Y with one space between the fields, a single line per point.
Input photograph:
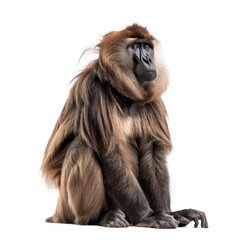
x=100 y=109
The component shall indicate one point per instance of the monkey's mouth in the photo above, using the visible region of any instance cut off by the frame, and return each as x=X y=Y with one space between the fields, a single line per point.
x=147 y=76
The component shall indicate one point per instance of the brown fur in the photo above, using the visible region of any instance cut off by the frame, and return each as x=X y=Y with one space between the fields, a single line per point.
x=108 y=147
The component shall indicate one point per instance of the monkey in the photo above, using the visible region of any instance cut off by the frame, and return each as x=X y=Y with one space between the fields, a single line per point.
x=107 y=152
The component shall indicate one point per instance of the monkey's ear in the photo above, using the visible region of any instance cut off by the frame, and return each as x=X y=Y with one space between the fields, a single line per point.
x=57 y=146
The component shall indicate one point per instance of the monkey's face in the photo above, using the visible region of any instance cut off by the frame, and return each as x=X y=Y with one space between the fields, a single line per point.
x=132 y=63
x=141 y=53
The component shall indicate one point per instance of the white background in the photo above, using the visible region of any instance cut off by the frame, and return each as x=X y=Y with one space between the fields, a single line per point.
x=40 y=45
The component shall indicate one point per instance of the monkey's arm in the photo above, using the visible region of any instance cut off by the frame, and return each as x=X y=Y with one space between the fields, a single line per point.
x=121 y=183
x=156 y=184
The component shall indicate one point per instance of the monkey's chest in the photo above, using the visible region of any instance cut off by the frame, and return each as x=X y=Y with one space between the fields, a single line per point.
x=129 y=127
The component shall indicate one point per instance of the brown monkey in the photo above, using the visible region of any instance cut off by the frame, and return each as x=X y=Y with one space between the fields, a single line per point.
x=106 y=154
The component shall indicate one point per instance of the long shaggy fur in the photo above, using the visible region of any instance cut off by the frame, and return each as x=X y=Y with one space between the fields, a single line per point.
x=93 y=112
x=95 y=127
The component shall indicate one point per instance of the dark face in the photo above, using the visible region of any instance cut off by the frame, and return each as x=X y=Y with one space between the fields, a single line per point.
x=142 y=55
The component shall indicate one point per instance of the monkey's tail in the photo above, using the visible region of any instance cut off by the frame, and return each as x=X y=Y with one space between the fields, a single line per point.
x=49 y=220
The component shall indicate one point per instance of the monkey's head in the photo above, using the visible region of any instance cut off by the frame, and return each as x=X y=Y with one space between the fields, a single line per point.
x=132 y=63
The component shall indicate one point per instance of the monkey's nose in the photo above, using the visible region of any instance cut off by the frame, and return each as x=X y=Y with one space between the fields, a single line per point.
x=146 y=59
x=137 y=59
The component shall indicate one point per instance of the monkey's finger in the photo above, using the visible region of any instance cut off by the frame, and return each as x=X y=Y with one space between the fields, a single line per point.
x=195 y=219
x=120 y=213
x=193 y=215
x=170 y=219
x=196 y=222
x=169 y=223
x=109 y=224
x=164 y=224
x=202 y=216
x=120 y=223
x=124 y=220
x=174 y=223
x=182 y=220
x=204 y=223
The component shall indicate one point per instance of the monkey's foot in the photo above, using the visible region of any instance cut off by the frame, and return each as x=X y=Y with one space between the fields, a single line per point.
x=114 y=218
x=186 y=216
x=158 y=220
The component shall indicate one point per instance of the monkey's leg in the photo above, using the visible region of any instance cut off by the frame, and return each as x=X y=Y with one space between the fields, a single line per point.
x=81 y=196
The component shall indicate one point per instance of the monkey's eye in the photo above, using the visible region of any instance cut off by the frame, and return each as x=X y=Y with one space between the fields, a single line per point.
x=135 y=46
x=146 y=46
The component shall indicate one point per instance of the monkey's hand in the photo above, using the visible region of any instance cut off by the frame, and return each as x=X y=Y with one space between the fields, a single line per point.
x=158 y=220
x=186 y=216
x=114 y=218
